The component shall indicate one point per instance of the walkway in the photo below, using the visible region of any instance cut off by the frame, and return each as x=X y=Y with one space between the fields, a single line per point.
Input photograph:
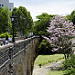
x=10 y=43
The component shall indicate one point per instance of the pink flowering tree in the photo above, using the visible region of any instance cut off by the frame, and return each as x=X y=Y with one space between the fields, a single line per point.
x=61 y=31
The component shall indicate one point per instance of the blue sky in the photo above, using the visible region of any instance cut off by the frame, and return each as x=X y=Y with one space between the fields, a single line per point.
x=36 y=7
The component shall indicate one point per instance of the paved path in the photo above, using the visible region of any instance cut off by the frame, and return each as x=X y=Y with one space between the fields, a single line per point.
x=6 y=45
x=40 y=71
x=44 y=70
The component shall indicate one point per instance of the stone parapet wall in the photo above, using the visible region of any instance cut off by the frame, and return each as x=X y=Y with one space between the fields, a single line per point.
x=18 y=53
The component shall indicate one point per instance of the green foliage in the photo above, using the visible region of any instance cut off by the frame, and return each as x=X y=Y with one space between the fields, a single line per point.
x=24 y=20
x=71 y=71
x=3 y=20
x=69 y=17
x=5 y=35
x=41 y=24
x=44 y=47
x=73 y=16
x=69 y=65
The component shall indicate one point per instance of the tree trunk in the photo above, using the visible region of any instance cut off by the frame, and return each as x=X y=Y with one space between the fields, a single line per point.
x=65 y=56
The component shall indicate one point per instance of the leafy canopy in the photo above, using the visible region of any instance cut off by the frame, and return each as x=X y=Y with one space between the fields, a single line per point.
x=41 y=24
x=73 y=16
x=3 y=20
x=24 y=20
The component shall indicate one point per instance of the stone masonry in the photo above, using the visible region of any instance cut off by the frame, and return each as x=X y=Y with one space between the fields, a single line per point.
x=18 y=58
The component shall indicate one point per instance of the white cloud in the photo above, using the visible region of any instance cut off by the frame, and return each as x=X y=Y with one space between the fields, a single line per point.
x=70 y=3
x=36 y=7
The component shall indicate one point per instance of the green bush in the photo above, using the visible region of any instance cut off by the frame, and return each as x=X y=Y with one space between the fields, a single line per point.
x=69 y=65
x=70 y=71
x=5 y=35
x=44 y=48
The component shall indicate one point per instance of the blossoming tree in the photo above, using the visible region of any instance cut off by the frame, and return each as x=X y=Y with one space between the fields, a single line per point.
x=61 y=31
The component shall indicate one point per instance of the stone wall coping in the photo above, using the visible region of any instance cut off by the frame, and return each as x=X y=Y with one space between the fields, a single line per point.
x=16 y=42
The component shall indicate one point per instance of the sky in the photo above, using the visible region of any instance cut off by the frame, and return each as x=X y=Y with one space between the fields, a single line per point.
x=37 y=7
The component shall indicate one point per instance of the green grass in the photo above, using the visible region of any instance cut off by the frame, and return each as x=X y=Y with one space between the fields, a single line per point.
x=55 y=73
x=45 y=59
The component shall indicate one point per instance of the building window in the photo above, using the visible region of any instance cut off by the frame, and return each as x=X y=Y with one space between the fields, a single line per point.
x=10 y=9
x=2 y=5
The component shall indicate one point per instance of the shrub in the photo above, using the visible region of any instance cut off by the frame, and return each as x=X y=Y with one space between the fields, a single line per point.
x=70 y=71
x=5 y=35
x=69 y=65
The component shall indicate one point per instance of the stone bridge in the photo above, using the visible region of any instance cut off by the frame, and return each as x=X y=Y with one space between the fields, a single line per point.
x=18 y=58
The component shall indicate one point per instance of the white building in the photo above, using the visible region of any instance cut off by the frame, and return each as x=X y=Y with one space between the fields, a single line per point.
x=5 y=3
x=11 y=6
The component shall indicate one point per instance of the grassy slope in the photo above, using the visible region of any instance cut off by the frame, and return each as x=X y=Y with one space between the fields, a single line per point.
x=55 y=73
x=45 y=59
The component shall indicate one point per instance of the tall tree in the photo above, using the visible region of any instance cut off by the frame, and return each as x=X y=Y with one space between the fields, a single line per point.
x=73 y=16
x=3 y=20
x=24 y=20
x=41 y=24
x=61 y=31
